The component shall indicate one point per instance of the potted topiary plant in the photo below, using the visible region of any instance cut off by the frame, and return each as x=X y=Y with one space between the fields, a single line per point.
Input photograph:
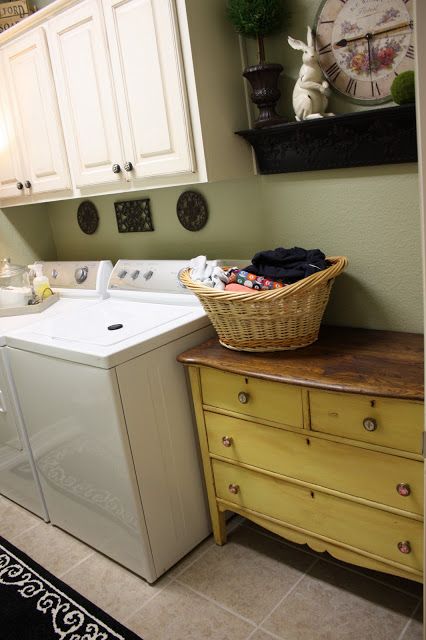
x=257 y=19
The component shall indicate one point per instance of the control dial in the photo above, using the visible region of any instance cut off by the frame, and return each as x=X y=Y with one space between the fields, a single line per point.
x=80 y=274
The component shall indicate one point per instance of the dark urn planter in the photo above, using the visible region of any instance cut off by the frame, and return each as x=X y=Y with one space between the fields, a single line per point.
x=264 y=82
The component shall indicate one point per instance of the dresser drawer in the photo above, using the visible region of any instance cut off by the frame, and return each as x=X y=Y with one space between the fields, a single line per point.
x=352 y=470
x=252 y=397
x=397 y=424
x=368 y=529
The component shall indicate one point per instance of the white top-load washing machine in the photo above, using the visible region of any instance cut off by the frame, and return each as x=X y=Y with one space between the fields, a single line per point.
x=79 y=284
x=109 y=418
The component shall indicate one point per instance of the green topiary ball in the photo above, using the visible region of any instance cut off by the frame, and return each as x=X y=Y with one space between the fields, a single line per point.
x=403 y=88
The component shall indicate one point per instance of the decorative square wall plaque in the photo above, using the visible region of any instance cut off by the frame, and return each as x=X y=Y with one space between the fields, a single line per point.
x=133 y=215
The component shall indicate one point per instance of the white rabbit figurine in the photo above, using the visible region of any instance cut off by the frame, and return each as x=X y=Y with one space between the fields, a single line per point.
x=311 y=91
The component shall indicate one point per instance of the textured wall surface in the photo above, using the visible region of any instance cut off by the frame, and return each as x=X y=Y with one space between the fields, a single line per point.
x=25 y=234
x=236 y=222
x=370 y=215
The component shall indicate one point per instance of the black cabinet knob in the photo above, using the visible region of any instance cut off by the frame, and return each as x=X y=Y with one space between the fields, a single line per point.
x=27 y=184
x=19 y=186
x=128 y=166
x=116 y=168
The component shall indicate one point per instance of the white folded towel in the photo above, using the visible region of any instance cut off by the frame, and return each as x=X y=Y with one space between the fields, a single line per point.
x=208 y=273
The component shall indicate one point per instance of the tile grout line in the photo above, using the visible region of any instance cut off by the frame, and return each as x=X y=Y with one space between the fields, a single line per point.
x=150 y=599
x=407 y=624
x=266 y=632
x=77 y=564
x=37 y=524
x=230 y=529
x=336 y=562
x=170 y=581
x=285 y=596
x=218 y=604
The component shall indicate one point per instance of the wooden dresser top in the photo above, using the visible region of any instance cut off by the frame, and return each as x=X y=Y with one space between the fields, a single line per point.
x=380 y=363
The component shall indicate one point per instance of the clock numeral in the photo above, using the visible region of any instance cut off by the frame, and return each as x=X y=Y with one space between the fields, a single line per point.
x=351 y=87
x=333 y=71
x=396 y=73
x=410 y=52
x=325 y=49
x=375 y=89
x=327 y=22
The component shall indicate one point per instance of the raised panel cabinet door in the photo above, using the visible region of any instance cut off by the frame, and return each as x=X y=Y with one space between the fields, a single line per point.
x=148 y=71
x=36 y=114
x=11 y=172
x=82 y=72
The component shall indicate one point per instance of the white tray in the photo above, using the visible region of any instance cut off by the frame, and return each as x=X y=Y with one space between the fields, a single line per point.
x=29 y=308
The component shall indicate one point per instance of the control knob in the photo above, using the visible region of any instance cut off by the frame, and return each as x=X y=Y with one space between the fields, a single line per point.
x=135 y=274
x=122 y=274
x=80 y=274
x=54 y=274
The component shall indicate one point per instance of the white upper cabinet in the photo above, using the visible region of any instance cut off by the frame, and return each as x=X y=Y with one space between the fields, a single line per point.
x=37 y=126
x=149 y=94
x=86 y=96
x=149 y=79
x=11 y=171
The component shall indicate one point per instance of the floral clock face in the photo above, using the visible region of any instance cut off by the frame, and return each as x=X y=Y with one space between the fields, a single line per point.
x=363 y=45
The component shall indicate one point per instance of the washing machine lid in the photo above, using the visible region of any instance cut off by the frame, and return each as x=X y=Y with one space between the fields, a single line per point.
x=110 y=322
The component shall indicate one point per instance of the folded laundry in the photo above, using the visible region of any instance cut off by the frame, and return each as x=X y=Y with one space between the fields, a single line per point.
x=251 y=281
x=287 y=265
x=208 y=273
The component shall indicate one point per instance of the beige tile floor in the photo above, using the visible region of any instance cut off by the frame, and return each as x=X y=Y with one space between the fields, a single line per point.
x=256 y=587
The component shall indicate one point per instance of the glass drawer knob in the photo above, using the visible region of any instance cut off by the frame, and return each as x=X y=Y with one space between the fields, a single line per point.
x=404 y=546
x=227 y=441
x=370 y=424
x=233 y=488
x=243 y=397
x=403 y=489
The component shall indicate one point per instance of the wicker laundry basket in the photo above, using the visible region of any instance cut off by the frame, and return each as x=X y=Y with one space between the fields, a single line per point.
x=287 y=318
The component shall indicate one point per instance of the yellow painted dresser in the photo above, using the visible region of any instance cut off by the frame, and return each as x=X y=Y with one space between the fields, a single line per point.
x=322 y=445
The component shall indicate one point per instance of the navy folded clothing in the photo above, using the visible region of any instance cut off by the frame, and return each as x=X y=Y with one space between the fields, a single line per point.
x=288 y=265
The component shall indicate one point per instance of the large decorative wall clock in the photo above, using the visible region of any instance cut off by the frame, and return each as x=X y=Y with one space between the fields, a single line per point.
x=363 y=45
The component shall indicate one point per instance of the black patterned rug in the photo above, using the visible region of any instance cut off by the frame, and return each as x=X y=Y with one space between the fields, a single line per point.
x=34 y=605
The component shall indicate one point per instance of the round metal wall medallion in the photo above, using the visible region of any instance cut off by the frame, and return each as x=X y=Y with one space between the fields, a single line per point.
x=87 y=217
x=192 y=210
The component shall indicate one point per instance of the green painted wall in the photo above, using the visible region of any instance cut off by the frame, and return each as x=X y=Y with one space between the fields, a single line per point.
x=369 y=214
x=25 y=234
x=234 y=227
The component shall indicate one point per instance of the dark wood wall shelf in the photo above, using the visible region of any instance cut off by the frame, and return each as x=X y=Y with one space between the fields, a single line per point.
x=363 y=138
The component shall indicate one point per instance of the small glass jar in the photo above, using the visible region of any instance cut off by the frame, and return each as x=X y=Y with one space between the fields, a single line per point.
x=15 y=290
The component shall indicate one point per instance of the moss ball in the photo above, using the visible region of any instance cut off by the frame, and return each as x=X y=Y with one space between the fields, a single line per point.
x=402 y=89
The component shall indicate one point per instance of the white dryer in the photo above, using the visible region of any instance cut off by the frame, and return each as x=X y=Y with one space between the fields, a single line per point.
x=79 y=284
x=109 y=417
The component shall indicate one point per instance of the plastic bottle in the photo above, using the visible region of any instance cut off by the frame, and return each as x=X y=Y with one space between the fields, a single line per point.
x=40 y=282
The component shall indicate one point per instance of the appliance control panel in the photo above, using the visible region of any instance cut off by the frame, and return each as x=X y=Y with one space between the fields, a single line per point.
x=160 y=276
x=75 y=274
